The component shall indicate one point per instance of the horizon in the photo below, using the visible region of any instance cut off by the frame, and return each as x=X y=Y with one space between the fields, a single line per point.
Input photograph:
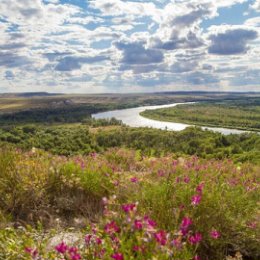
x=129 y=46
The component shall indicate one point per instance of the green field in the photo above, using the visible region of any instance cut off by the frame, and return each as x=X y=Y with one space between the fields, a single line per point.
x=239 y=114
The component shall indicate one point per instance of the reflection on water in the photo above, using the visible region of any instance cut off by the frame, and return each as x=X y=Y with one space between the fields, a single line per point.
x=131 y=117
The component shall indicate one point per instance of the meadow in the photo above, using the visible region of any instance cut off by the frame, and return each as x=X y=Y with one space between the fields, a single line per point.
x=123 y=205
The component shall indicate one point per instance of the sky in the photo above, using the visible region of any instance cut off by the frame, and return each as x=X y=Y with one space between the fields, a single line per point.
x=122 y=46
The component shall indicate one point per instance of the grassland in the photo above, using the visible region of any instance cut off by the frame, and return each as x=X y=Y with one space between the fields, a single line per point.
x=240 y=114
x=123 y=205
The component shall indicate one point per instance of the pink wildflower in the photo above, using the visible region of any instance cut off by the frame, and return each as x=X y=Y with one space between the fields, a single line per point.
x=161 y=237
x=214 y=234
x=177 y=243
x=31 y=251
x=74 y=255
x=61 y=248
x=134 y=179
x=117 y=256
x=138 y=248
x=128 y=207
x=199 y=188
x=196 y=257
x=98 y=240
x=138 y=224
x=252 y=225
x=196 y=200
x=161 y=173
x=186 y=223
x=111 y=228
x=186 y=179
x=88 y=239
x=150 y=223
x=116 y=183
x=195 y=239
x=178 y=179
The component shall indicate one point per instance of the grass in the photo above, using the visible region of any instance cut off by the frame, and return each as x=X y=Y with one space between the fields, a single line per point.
x=127 y=206
x=228 y=114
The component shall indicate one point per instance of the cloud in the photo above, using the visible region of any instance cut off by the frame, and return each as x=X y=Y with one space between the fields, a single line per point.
x=253 y=22
x=9 y=75
x=200 y=78
x=12 y=46
x=120 y=8
x=136 y=53
x=70 y=63
x=11 y=60
x=256 y=6
x=228 y=40
x=180 y=28
x=191 y=40
x=118 y=44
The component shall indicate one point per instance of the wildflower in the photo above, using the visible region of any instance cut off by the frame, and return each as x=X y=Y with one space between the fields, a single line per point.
x=128 y=207
x=138 y=248
x=98 y=240
x=252 y=225
x=134 y=180
x=196 y=200
x=161 y=237
x=61 y=248
x=111 y=228
x=116 y=183
x=178 y=180
x=138 y=224
x=117 y=256
x=150 y=223
x=195 y=239
x=31 y=251
x=186 y=223
x=199 y=188
x=214 y=234
x=186 y=179
x=182 y=207
x=196 y=257
x=161 y=173
x=104 y=200
x=74 y=255
x=88 y=239
x=177 y=243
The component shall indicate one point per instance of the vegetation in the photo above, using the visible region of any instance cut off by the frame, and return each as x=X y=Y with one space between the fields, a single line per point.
x=53 y=108
x=74 y=139
x=73 y=187
x=143 y=208
x=240 y=114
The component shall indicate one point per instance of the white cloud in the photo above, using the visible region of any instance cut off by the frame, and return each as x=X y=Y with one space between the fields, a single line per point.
x=256 y=5
x=146 y=44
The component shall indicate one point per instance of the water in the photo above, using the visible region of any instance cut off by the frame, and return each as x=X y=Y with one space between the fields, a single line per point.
x=132 y=117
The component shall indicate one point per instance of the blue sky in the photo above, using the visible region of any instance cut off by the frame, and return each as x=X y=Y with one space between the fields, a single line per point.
x=98 y=46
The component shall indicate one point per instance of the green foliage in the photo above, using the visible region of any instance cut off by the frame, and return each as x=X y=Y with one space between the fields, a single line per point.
x=80 y=139
x=238 y=113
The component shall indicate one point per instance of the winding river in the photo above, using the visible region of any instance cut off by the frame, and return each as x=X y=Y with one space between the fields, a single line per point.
x=132 y=117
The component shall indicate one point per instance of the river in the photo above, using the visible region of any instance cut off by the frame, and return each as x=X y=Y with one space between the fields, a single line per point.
x=132 y=117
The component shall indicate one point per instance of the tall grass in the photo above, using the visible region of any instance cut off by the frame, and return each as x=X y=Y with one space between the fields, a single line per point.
x=219 y=197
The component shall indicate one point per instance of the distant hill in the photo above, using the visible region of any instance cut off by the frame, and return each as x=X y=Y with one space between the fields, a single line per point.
x=29 y=94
